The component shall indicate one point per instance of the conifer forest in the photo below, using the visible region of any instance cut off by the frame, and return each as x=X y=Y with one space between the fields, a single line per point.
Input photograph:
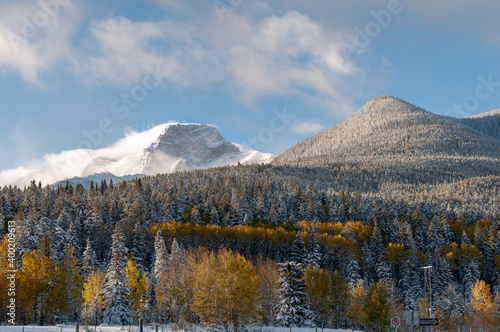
x=234 y=247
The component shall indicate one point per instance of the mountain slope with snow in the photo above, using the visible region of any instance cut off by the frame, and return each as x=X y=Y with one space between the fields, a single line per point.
x=162 y=149
x=387 y=128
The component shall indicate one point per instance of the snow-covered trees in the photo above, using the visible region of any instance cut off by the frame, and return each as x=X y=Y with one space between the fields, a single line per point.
x=89 y=259
x=116 y=293
x=159 y=274
x=293 y=309
x=372 y=231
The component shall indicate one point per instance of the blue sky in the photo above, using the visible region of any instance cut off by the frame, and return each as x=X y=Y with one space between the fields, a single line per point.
x=69 y=67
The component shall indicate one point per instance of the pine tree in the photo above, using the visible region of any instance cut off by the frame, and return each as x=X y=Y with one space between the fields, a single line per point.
x=89 y=259
x=293 y=311
x=298 y=251
x=441 y=277
x=160 y=279
x=470 y=275
x=352 y=270
x=140 y=246
x=314 y=254
x=117 y=310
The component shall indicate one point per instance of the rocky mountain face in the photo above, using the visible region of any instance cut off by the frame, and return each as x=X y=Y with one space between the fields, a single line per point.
x=179 y=147
x=185 y=147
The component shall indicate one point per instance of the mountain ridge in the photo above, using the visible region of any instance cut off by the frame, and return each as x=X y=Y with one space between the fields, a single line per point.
x=388 y=126
x=164 y=148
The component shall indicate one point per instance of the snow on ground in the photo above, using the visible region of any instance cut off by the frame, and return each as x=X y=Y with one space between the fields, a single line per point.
x=149 y=328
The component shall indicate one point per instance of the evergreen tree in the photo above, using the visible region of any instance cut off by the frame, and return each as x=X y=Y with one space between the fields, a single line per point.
x=160 y=279
x=89 y=259
x=298 y=250
x=441 y=277
x=293 y=311
x=117 y=305
x=470 y=275
x=314 y=254
x=140 y=245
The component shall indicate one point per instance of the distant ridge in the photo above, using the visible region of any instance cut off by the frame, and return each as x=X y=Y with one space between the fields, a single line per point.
x=166 y=148
x=390 y=133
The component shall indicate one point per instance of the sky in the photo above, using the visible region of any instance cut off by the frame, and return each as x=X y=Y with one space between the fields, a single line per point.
x=84 y=74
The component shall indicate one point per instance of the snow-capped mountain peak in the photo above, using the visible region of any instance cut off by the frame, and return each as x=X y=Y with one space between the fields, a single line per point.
x=164 y=148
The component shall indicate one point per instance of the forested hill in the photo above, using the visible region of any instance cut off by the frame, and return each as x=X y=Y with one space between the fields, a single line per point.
x=388 y=191
x=387 y=128
x=488 y=123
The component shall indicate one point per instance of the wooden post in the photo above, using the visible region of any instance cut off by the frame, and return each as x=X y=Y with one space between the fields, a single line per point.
x=77 y=327
x=156 y=328
x=140 y=325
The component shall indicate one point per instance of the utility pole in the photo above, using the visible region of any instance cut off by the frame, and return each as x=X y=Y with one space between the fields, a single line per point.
x=428 y=272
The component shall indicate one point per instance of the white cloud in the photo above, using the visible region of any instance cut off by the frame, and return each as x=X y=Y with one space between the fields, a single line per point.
x=116 y=159
x=35 y=37
x=251 y=56
x=288 y=55
x=307 y=128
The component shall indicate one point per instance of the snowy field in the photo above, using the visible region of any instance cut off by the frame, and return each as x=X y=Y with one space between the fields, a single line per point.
x=69 y=328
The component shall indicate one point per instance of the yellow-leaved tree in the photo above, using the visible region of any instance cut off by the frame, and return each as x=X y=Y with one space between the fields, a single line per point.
x=340 y=299
x=356 y=312
x=268 y=277
x=225 y=290
x=69 y=286
x=93 y=298
x=37 y=293
x=377 y=305
x=485 y=314
x=319 y=294
x=138 y=284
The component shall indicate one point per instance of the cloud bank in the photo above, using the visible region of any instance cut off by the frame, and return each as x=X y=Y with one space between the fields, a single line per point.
x=122 y=156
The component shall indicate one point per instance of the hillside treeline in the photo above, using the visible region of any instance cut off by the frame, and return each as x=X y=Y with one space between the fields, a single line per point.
x=258 y=212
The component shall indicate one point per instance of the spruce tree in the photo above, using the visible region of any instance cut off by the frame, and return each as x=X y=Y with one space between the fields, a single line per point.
x=292 y=309
x=314 y=254
x=117 y=310
x=159 y=281
x=298 y=251
x=89 y=259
